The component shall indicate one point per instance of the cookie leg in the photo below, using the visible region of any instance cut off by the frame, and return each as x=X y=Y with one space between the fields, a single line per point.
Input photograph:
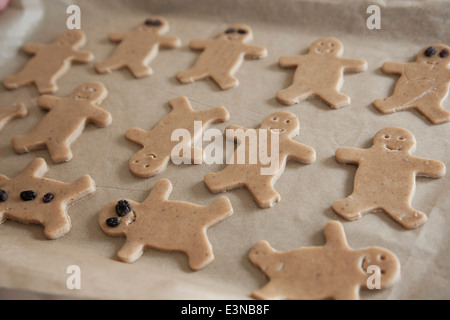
x=263 y=193
x=59 y=152
x=392 y=104
x=109 y=64
x=223 y=180
x=138 y=69
x=294 y=94
x=407 y=216
x=191 y=75
x=225 y=81
x=29 y=142
x=45 y=85
x=269 y=292
x=334 y=98
x=200 y=253
x=351 y=208
x=56 y=224
x=430 y=106
x=18 y=80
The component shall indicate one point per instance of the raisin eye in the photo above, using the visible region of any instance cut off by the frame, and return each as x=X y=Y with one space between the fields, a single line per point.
x=231 y=30
x=431 y=51
x=242 y=31
x=112 y=222
x=444 y=53
x=122 y=208
x=157 y=23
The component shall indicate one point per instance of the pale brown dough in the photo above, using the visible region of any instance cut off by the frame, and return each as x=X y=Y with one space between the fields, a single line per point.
x=222 y=56
x=139 y=47
x=386 y=177
x=332 y=271
x=157 y=149
x=17 y=110
x=286 y=126
x=166 y=225
x=52 y=215
x=423 y=85
x=65 y=121
x=320 y=73
x=50 y=61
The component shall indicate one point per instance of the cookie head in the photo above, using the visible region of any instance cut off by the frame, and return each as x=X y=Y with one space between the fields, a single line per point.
x=436 y=54
x=93 y=92
x=395 y=140
x=70 y=38
x=145 y=163
x=327 y=47
x=237 y=32
x=286 y=123
x=154 y=24
x=116 y=217
x=260 y=253
x=384 y=261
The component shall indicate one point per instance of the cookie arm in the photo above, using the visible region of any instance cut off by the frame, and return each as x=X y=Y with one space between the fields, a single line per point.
x=289 y=61
x=301 y=152
x=160 y=192
x=355 y=65
x=180 y=104
x=393 y=67
x=429 y=168
x=36 y=168
x=82 y=56
x=33 y=48
x=169 y=41
x=47 y=102
x=100 y=117
x=116 y=36
x=349 y=155
x=335 y=235
x=198 y=44
x=255 y=51
x=136 y=135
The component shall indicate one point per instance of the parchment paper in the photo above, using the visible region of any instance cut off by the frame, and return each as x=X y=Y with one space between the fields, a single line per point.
x=30 y=263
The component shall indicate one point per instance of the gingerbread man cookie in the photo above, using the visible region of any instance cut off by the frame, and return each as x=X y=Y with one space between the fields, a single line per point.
x=139 y=47
x=162 y=224
x=65 y=121
x=158 y=145
x=282 y=126
x=222 y=56
x=385 y=178
x=50 y=61
x=332 y=271
x=319 y=73
x=30 y=198
x=8 y=113
x=422 y=85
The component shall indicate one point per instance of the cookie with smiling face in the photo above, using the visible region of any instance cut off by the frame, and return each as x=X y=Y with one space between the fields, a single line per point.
x=222 y=56
x=423 y=85
x=50 y=61
x=332 y=271
x=249 y=169
x=385 y=178
x=139 y=47
x=65 y=121
x=165 y=225
x=319 y=73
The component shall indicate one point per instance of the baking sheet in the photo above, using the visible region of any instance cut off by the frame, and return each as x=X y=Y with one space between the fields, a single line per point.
x=30 y=262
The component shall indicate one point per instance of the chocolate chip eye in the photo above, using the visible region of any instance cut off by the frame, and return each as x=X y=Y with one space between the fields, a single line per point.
x=112 y=222
x=48 y=197
x=242 y=31
x=28 y=195
x=3 y=196
x=123 y=208
x=157 y=23
x=230 y=30
x=444 y=53
x=430 y=51
x=149 y=22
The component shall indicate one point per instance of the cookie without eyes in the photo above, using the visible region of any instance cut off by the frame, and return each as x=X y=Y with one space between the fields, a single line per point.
x=222 y=56
x=386 y=177
x=65 y=121
x=31 y=198
x=50 y=61
x=245 y=172
x=139 y=47
x=319 y=73
x=165 y=225
x=157 y=143
x=332 y=271
x=423 y=85
x=8 y=113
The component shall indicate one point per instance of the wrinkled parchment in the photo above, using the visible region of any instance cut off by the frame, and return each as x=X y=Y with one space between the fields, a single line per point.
x=30 y=263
